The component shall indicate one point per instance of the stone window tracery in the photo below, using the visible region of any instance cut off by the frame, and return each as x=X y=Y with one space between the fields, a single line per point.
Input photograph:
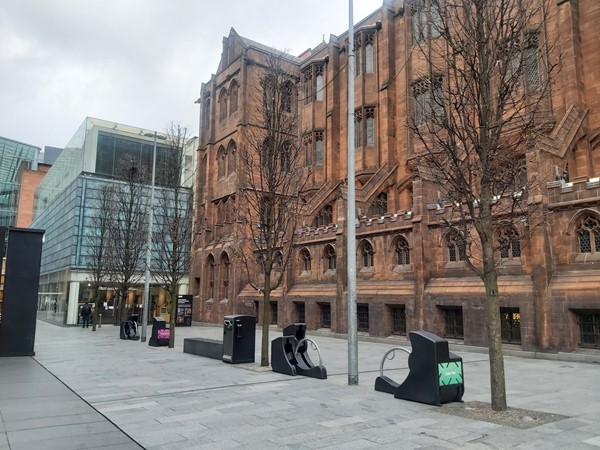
x=319 y=148
x=224 y=268
x=357 y=56
x=288 y=104
x=423 y=14
x=358 y=130
x=308 y=152
x=588 y=234
x=308 y=87
x=210 y=277
x=369 y=53
x=330 y=257
x=221 y=162
x=402 y=252
x=367 y=255
x=509 y=243
x=324 y=217
x=456 y=249
x=319 y=83
x=231 y=155
x=379 y=205
x=223 y=104
x=370 y=125
x=428 y=97
x=306 y=260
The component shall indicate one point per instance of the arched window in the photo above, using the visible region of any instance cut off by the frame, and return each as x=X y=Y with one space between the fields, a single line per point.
x=588 y=234
x=307 y=146
x=210 y=277
x=224 y=274
x=266 y=153
x=319 y=83
x=357 y=56
x=358 y=129
x=305 y=260
x=369 y=57
x=233 y=97
x=366 y=253
x=287 y=97
x=456 y=249
x=278 y=262
x=285 y=157
x=379 y=205
x=370 y=125
x=223 y=104
x=319 y=148
x=269 y=86
x=231 y=155
x=402 y=252
x=221 y=162
x=308 y=86
x=324 y=217
x=509 y=243
x=330 y=257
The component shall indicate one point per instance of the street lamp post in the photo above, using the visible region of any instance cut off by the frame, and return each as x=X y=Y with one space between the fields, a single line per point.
x=351 y=214
x=149 y=247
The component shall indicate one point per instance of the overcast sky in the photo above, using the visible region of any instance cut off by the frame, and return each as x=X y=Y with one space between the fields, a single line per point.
x=137 y=62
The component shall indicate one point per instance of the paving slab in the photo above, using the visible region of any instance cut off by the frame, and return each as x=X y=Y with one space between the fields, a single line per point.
x=38 y=411
x=166 y=399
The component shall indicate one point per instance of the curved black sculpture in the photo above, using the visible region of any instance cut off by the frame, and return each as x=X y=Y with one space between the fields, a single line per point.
x=289 y=354
x=435 y=376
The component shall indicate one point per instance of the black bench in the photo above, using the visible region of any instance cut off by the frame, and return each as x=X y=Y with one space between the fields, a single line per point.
x=209 y=348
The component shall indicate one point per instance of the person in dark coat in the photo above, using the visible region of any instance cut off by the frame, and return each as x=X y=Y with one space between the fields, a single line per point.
x=86 y=312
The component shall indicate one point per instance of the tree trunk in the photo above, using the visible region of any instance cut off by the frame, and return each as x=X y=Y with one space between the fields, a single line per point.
x=494 y=334
x=95 y=316
x=264 y=349
x=116 y=306
x=122 y=306
x=173 y=318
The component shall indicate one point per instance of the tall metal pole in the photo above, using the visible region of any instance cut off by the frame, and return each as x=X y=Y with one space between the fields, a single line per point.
x=351 y=217
x=149 y=248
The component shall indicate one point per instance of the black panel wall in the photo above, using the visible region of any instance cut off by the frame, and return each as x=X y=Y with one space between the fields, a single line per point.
x=22 y=276
x=3 y=231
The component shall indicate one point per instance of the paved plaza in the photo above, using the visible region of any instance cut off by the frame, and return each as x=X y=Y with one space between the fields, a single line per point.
x=87 y=389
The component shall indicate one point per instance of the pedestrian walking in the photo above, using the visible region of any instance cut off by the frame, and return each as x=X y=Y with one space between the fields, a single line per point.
x=86 y=312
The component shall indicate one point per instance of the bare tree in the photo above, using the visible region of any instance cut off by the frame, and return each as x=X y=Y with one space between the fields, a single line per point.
x=128 y=228
x=480 y=103
x=174 y=214
x=270 y=181
x=97 y=249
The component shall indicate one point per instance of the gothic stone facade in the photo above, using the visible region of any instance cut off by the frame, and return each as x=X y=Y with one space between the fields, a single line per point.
x=409 y=276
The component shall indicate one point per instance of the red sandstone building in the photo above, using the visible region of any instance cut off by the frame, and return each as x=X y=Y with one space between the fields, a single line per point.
x=408 y=275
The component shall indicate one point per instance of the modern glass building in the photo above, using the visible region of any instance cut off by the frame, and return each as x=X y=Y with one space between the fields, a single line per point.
x=12 y=155
x=67 y=202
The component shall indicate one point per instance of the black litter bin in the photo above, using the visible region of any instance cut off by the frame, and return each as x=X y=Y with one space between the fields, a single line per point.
x=239 y=334
x=134 y=318
x=129 y=330
x=160 y=333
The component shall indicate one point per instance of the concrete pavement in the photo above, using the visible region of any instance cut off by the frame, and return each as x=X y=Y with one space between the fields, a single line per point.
x=37 y=411
x=165 y=399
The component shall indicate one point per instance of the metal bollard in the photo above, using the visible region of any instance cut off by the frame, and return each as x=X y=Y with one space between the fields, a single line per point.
x=99 y=320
